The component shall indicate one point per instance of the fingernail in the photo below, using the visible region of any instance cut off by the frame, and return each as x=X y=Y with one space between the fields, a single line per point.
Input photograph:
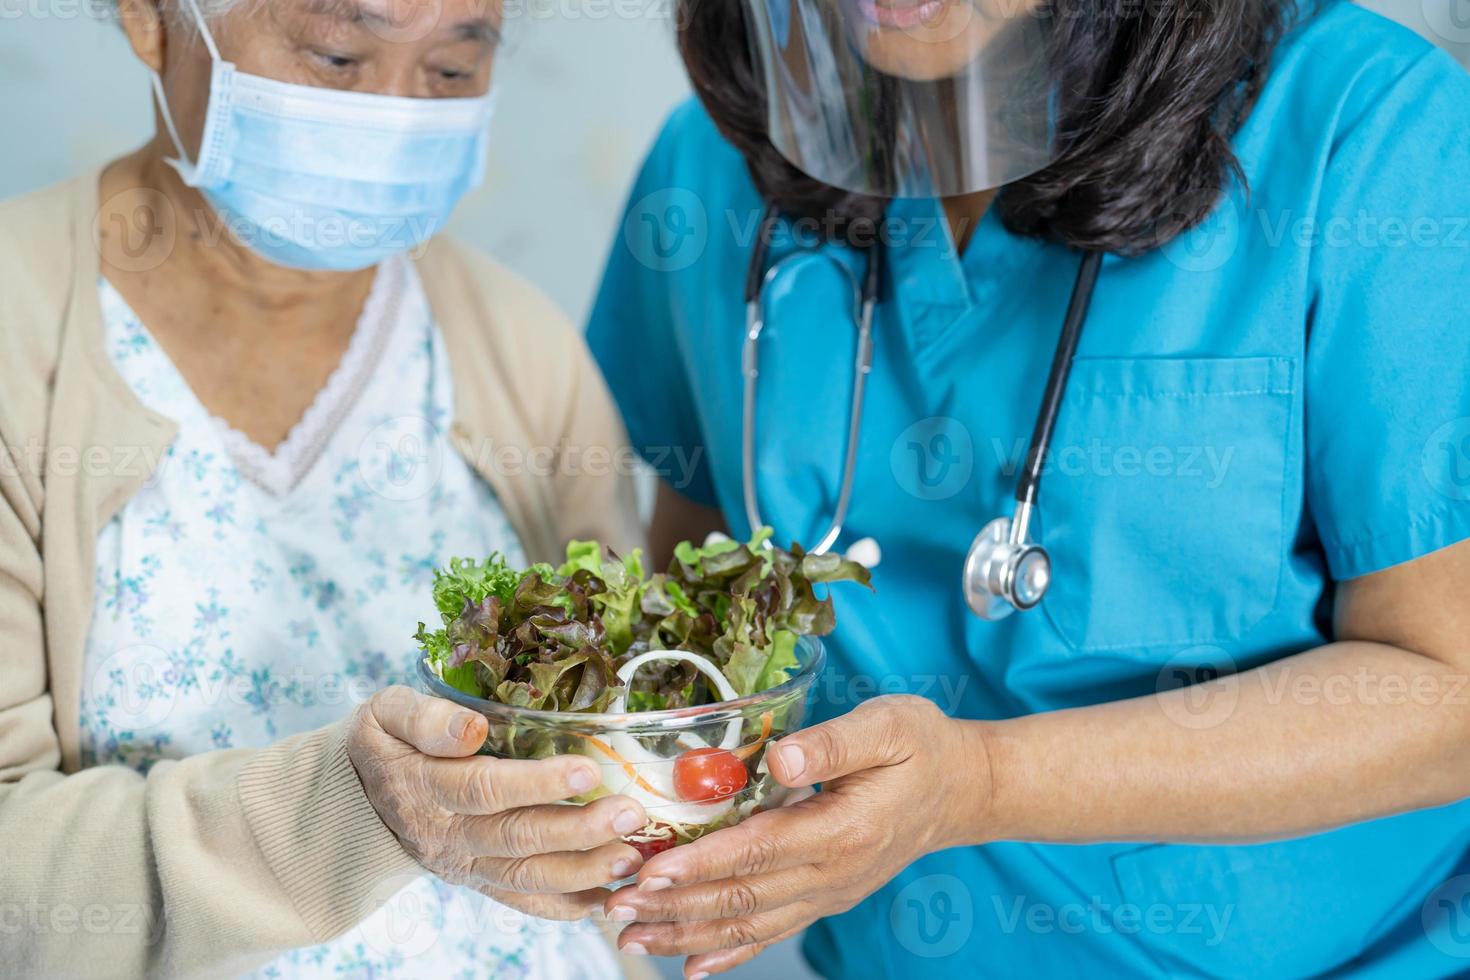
x=793 y=759
x=635 y=949
x=627 y=822
x=459 y=725
x=654 y=884
x=623 y=913
x=698 y=976
x=582 y=779
x=624 y=868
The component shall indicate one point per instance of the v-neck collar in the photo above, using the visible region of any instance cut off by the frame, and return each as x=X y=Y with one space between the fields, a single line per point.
x=933 y=285
x=279 y=471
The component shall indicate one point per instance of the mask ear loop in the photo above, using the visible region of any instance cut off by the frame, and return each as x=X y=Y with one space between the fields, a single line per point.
x=168 y=116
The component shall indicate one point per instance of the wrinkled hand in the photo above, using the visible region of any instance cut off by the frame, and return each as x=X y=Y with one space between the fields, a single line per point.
x=900 y=780
x=491 y=824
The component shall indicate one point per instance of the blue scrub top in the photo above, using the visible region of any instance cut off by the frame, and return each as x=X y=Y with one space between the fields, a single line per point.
x=1274 y=402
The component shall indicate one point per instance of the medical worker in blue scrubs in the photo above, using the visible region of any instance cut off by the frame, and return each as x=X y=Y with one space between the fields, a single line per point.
x=1225 y=729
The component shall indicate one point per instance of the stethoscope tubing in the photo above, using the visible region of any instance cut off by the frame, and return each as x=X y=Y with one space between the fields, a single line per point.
x=1029 y=486
x=868 y=295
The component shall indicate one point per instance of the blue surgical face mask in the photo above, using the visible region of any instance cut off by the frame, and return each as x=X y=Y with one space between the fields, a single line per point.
x=315 y=178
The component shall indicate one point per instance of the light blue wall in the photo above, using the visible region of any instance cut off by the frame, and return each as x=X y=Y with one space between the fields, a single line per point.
x=584 y=93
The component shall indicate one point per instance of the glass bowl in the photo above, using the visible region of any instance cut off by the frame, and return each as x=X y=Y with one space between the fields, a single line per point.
x=695 y=770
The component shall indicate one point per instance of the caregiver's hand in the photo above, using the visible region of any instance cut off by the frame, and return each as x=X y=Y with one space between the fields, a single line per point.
x=489 y=823
x=899 y=780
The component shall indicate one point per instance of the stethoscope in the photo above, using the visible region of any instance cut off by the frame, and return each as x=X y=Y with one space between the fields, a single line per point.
x=1005 y=570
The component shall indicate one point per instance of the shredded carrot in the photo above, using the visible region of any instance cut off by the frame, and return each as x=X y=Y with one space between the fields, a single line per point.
x=746 y=751
x=628 y=767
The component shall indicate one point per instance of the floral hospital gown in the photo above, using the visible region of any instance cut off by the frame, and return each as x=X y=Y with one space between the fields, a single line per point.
x=246 y=596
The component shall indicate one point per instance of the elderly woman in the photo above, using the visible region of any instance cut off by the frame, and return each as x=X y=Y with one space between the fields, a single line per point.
x=245 y=414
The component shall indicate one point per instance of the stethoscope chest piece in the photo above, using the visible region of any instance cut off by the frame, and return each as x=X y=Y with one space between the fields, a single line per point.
x=1002 y=574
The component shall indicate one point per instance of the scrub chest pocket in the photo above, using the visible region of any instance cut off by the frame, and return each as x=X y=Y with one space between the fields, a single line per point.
x=1164 y=504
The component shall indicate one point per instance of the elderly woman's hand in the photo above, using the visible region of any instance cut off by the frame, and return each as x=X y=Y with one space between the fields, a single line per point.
x=492 y=824
x=900 y=780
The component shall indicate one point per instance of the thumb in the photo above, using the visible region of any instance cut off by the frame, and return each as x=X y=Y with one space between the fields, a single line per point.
x=430 y=725
x=872 y=735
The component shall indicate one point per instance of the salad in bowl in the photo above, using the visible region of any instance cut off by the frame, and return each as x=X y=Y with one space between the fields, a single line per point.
x=674 y=683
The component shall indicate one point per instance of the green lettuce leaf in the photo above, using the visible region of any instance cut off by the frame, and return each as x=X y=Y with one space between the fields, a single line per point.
x=553 y=638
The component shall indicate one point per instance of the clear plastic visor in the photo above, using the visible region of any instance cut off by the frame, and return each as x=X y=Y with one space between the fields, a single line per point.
x=907 y=98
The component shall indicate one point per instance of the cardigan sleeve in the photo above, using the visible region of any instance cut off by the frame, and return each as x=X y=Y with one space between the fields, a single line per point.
x=205 y=866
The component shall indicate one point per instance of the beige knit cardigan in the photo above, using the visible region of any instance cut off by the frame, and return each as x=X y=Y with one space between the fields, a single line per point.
x=213 y=864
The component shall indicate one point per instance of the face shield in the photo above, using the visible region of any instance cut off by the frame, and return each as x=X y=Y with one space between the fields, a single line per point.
x=907 y=98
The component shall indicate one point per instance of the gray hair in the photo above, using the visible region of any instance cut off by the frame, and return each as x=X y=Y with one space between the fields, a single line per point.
x=177 y=10
x=211 y=9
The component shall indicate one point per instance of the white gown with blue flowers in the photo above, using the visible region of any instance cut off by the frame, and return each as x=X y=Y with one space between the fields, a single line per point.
x=245 y=596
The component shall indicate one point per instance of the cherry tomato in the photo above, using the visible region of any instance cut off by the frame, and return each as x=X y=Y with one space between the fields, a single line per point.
x=648 y=848
x=707 y=775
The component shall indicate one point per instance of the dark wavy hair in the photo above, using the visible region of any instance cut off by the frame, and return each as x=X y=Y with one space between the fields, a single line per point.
x=1150 y=94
